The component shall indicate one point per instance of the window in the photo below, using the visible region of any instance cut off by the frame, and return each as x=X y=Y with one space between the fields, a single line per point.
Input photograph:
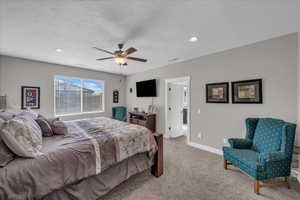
x=75 y=96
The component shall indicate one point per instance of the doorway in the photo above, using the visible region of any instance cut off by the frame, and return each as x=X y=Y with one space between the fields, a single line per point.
x=177 y=112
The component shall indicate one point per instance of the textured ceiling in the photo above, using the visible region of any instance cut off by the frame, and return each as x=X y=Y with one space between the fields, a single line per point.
x=158 y=29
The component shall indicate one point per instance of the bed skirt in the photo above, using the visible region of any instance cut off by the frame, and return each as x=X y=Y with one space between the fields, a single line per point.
x=94 y=187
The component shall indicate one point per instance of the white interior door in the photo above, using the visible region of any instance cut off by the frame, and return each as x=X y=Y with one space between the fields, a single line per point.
x=175 y=109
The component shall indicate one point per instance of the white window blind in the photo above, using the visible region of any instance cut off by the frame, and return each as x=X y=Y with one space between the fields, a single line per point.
x=75 y=96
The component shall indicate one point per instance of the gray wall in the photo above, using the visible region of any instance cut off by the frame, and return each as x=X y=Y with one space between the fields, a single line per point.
x=298 y=129
x=16 y=72
x=298 y=135
x=275 y=61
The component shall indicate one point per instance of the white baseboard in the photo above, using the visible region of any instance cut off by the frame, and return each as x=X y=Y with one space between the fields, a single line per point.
x=206 y=148
x=295 y=173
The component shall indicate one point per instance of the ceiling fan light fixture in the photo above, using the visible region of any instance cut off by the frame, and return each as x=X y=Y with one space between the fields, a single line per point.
x=120 y=60
x=58 y=50
x=193 y=39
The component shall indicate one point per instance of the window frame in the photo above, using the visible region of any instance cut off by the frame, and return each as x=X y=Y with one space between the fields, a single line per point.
x=81 y=96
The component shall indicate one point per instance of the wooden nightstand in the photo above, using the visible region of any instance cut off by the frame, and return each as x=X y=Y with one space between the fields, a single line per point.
x=143 y=119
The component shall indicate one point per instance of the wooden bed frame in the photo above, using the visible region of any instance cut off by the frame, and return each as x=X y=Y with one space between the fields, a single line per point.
x=158 y=167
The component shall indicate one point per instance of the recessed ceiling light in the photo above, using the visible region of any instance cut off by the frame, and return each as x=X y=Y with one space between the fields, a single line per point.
x=59 y=50
x=193 y=39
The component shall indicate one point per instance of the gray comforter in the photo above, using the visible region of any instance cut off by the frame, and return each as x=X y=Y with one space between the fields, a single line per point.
x=91 y=146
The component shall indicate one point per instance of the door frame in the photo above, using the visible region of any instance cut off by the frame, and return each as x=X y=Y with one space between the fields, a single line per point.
x=170 y=80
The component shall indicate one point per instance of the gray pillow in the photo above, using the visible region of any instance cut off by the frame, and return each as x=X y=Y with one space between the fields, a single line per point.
x=7 y=115
x=22 y=137
x=6 y=155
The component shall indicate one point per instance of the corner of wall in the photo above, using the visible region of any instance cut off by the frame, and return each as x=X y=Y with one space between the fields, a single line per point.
x=298 y=89
x=298 y=103
x=0 y=75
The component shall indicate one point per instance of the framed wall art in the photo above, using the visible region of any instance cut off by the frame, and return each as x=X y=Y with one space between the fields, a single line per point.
x=30 y=97
x=247 y=91
x=116 y=96
x=217 y=92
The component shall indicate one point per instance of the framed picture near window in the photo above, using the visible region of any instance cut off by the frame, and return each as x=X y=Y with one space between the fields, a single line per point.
x=247 y=91
x=116 y=96
x=30 y=97
x=217 y=93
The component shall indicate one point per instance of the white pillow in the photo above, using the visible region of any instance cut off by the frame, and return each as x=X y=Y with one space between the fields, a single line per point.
x=29 y=113
x=22 y=137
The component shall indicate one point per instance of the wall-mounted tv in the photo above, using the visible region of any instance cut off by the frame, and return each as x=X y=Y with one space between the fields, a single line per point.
x=146 y=88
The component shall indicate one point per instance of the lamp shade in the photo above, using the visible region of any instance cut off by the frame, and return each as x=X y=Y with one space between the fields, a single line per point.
x=2 y=103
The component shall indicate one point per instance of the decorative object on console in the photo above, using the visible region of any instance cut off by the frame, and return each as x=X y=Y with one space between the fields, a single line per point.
x=147 y=120
x=217 y=92
x=152 y=109
x=248 y=91
x=2 y=103
x=30 y=97
x=116 y=96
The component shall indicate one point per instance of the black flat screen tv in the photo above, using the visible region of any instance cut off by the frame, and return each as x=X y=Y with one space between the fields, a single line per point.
x=146 y=88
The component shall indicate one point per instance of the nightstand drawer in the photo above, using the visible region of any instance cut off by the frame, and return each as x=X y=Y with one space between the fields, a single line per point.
x=142 y=123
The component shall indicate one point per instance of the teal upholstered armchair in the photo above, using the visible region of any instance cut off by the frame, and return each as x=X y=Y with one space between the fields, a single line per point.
x=119 y=113
x=266 y=151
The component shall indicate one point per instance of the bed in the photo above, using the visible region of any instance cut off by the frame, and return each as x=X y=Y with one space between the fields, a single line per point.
x=95 y=156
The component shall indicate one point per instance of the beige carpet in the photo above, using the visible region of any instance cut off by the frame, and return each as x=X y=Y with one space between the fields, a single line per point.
x=193 y=174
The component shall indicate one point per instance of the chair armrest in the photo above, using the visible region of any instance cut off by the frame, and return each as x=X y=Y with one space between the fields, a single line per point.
x=271 y=157
x=240 y=143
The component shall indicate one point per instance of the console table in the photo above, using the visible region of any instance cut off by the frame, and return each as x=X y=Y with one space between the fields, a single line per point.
x=147 y=120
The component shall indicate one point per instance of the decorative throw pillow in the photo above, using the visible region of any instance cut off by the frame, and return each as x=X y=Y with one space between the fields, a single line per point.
x=59 y=128
x=49 y=120
x=45 y=127
x=22 y=137
x=6 y=155
x=7 y=115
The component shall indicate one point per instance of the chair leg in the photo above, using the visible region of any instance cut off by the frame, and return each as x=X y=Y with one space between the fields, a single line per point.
x=256 y=186
x=225 y=164
x=286 y=180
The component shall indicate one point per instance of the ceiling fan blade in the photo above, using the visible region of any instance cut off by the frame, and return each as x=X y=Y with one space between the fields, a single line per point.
x=130 y=50
x=136 y=59
x=104 y=50
x=105 y=58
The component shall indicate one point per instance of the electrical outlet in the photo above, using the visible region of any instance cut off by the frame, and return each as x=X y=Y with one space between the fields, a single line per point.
x=200 y=135
x=225 y=140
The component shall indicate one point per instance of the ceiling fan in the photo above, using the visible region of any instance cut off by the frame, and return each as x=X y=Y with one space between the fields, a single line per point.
x=121 y=56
